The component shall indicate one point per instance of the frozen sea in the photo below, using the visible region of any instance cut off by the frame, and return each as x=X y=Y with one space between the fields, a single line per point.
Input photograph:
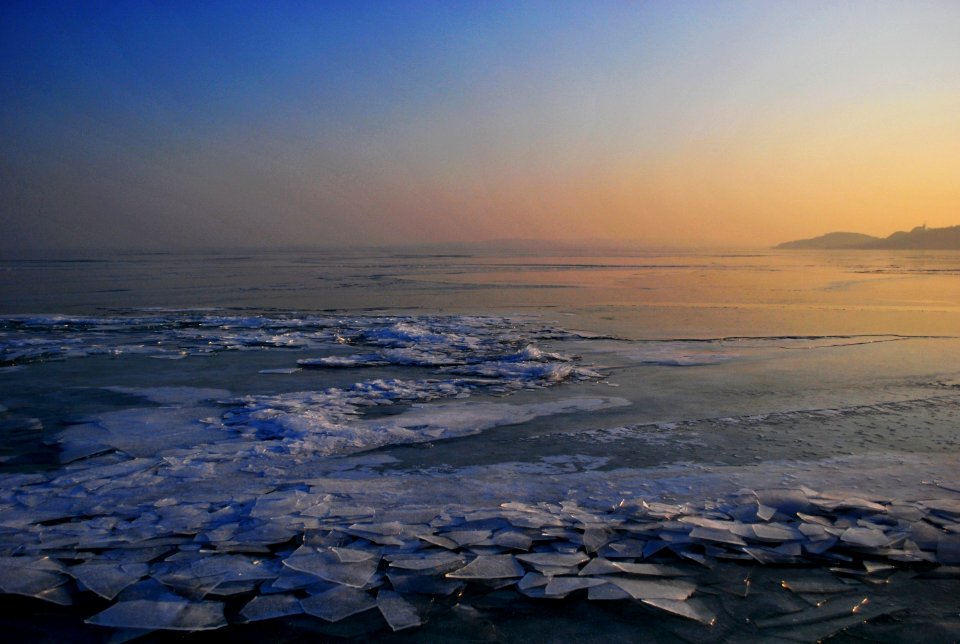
x=453 y=444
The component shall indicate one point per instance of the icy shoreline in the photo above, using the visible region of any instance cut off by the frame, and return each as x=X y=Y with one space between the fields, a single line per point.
x=198 y=507
x=341 y=546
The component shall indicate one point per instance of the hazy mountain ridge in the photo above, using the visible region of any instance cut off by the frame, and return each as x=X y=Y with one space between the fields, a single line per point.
x=920 y=238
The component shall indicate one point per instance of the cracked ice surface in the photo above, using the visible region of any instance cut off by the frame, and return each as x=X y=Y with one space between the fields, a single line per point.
x=187 y=498
x=367 y=538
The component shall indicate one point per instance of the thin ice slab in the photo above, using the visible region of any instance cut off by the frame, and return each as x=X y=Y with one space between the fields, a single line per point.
x=108 y=579
x=468 y=537
x=398 y=612
x=162 y=615
x=513 y=539
x=338 y=603
x=327 y=565
x=418 y=584
x=489 y=567
x=533 y=580
x=866 y=537
x=656 y=589
x=270 y=607
x=607 y=592
x=600 y=566
x=554 y=559
x=561 y=586
x=650 y=570
x=690 y=608
x=430 y=565
x=25 y=580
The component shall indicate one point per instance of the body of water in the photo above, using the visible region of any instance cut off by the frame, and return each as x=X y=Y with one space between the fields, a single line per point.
x=677 y=446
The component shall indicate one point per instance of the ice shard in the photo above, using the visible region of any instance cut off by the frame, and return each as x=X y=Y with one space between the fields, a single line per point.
x=866 y=537
x=338 y=603
x=19 y=576
x=108 y=579
x=655 y=589
x=270 y=607
x=398 y=612
x=553 y=559
x=607 y=592
x=489 y=567
x=561 y=586
x=690 y=608
x=162 y=615
x=325 y=564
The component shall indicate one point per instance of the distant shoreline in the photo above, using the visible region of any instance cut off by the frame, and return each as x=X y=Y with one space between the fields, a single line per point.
x=920 y=238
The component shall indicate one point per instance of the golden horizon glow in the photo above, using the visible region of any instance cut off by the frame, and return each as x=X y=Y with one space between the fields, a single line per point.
x=738 y=124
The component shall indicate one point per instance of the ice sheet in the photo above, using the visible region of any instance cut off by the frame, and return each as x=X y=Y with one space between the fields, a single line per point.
x=398 y=612
x=270 y=607
x=338 y=603
x=162 y=615
x=178 y=493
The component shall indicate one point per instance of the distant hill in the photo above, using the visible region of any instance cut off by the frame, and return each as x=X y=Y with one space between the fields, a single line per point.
x=920 y=238
x=831 y=241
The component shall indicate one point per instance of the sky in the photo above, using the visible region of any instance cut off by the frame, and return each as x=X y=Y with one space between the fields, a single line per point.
x=175 y=124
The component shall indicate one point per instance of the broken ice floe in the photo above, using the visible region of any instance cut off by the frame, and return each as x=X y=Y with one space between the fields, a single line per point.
x=328 y=565
x=398 y=612
x=489 y=567
x=327 y=423
x=491 y=347
x=466 y=354
x=301 y=424
x=176 y=515
x=162 y=615
x=108 y=579
x=270 y=607
x=338 y=603
x=336 y=566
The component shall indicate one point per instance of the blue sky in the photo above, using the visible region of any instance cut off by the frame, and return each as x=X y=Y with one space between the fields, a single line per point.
x=268 y=123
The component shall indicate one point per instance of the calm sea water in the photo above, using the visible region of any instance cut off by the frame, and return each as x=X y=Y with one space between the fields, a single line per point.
x=195 y=440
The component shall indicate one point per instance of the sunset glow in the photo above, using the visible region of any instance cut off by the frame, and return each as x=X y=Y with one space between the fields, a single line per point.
x=736 y=124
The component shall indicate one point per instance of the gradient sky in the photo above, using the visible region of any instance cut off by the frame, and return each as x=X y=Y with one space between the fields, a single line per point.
x=173 y=124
